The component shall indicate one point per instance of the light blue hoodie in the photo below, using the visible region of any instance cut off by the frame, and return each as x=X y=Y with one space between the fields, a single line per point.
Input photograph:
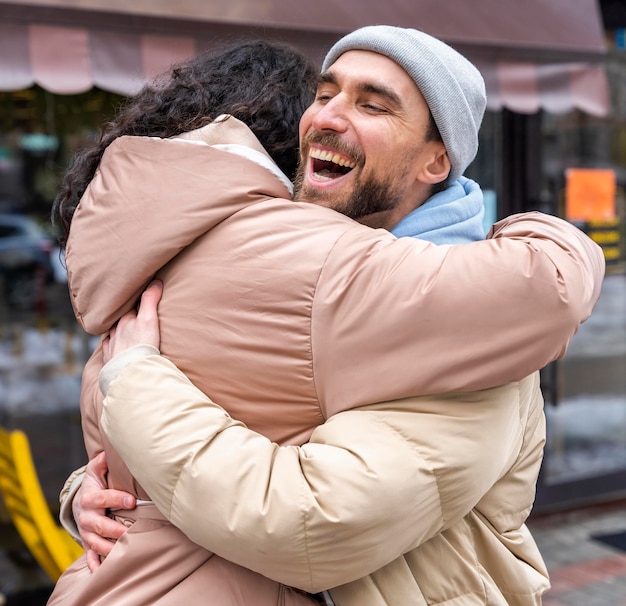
x=453 y=216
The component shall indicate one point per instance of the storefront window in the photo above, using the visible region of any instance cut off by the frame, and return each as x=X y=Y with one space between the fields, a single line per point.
x=39 y=132
x=587 y=423
x=586 y=392
x=485 y=169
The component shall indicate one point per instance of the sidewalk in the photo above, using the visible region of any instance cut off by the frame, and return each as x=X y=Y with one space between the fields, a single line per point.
x=583 y=571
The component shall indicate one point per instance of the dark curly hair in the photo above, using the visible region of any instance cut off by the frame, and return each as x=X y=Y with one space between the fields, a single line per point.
x=266 y=85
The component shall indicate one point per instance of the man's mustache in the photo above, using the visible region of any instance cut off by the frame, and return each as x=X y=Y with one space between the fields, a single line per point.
x=334 y=142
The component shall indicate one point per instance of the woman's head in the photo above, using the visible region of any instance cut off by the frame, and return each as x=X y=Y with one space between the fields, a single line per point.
x=265 y=85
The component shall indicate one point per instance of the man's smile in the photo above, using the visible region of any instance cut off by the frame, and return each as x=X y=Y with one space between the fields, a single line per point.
x=328 y=165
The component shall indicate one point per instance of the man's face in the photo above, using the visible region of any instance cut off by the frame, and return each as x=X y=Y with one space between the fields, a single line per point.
x=362 y=146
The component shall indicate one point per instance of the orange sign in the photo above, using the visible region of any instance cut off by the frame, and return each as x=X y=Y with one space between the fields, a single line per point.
x=590 y=194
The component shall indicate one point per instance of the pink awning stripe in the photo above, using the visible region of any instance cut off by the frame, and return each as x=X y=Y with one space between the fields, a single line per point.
x=60 y=59
x=517 y=83
x=589 y=85
x=160 y=52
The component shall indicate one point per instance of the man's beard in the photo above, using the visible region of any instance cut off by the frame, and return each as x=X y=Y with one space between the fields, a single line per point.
x=368 y=197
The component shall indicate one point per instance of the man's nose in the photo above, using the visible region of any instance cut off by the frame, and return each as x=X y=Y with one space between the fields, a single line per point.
x=332 y=116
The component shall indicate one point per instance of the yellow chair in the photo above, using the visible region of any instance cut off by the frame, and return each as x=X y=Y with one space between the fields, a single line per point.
x=50 y=544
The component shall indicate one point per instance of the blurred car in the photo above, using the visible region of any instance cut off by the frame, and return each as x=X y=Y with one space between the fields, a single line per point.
x=25 y=260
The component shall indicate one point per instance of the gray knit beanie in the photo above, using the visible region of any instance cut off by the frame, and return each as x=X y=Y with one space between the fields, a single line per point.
x=452 y=87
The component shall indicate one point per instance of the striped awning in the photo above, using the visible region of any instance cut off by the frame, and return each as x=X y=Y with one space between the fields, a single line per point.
x=73 y=57
x=527 y=87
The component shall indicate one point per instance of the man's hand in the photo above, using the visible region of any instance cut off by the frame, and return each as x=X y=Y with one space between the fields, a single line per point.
x=136 y=328
x=98 y=532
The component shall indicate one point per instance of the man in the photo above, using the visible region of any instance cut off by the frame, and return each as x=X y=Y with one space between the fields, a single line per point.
x=443 y=505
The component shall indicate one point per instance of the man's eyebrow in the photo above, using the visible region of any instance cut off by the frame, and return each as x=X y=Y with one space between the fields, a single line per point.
x=326 y=78
x=382 y=91
x=385 y=92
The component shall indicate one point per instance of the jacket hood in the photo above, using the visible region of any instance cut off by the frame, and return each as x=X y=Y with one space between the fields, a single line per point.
x=149 y=199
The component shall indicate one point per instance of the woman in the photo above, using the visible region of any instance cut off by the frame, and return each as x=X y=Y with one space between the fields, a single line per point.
x=268 y=86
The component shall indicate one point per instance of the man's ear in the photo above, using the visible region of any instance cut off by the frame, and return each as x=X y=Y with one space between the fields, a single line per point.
x=437 y=167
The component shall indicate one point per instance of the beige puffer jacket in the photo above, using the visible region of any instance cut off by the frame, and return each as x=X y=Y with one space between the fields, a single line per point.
x=300 y=345
x=440 y=486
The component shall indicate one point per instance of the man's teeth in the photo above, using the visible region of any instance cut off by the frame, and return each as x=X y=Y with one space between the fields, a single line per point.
x=328 y=156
